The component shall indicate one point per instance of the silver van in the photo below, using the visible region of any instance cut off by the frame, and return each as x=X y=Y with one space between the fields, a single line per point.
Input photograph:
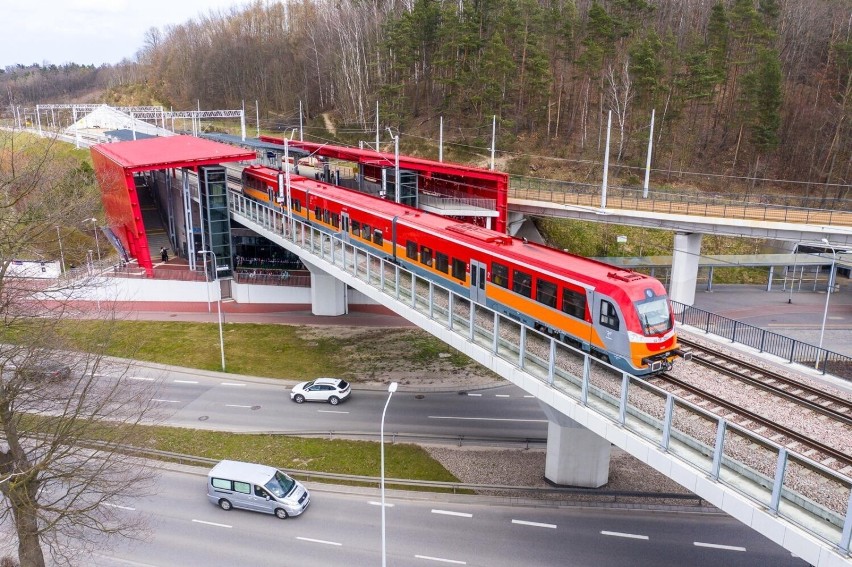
x=233 y=484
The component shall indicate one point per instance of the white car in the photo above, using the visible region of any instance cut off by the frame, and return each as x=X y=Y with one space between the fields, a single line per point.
x=331 y=390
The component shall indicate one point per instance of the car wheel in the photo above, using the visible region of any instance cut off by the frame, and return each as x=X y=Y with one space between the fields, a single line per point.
x=334 y=400
x=225 y=504
x=281 y=514
x=299 y=398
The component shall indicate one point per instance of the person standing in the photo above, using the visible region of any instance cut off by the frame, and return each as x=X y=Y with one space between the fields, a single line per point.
x=164 y=254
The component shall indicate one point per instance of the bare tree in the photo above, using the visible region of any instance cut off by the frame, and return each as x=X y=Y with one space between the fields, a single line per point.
x=619 y=95
x=61 y=421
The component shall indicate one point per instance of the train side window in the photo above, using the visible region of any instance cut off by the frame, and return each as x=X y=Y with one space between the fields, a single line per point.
x=367 y=232
x=545 y=292
x=411 y=249
x=426 y=255
x=335 y=220
x=296 y=205
x=442 y=262
x=522 y=283
x=326 y=216
x=499 y=274
x=318 y=213
x=574 y=303
x=356 y=228
x=459 y=269
x=377 y=237
x=609 y=316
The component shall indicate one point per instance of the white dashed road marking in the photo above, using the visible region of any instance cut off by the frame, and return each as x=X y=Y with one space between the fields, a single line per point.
x=212 y=524
x=236 y=406
x=534 y=524
x=717 y=546
x=318 y=541
x=448 y=513
x=501 y=395
x=620 y=534
x=185 y=382
x=475 y=395
x=117 y=506
x=231 y=384
x=140 y=378
x=374 y=503
x=330 y=411
x=165 y=401
x=440 y=560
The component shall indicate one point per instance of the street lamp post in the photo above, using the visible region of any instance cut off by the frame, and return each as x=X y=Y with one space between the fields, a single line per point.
x=793 y=279
x=827 y=297
x=396 y=187
x=218 y=304
x=61 y=254
x=391 y=389
x=94 y=222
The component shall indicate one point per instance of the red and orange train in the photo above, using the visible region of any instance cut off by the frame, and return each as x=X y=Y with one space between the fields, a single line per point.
x=618 y=315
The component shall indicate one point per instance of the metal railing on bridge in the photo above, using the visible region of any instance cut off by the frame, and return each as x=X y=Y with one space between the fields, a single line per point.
x=791 y=486
x=775 y=208
x=789 y=349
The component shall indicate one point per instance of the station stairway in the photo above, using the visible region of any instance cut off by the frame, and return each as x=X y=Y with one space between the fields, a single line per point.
x=155 y=227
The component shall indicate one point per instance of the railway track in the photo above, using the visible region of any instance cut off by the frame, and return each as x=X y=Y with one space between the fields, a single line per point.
x=749 y=419
x=812 y=398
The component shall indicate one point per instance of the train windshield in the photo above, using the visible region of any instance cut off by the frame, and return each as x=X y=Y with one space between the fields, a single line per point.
x=654 y=315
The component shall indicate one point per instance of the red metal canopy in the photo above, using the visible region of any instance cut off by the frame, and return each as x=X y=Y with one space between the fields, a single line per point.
x=116 y=163
x=435 y=175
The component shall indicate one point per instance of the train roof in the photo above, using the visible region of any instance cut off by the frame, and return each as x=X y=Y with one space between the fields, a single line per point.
x=558 y=263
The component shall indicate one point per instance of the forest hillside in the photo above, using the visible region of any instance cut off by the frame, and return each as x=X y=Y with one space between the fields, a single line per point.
x=741 y=90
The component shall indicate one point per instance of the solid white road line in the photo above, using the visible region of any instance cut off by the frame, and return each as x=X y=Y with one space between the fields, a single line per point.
x=448 y=513
x=534 y=524
x=717 y=546
x=620 y=534
x=230 y=384
x=212 y=524
x=487 y=419
x=185 y=381
x=113 y=560
x=318 y=541
x=165 y=401
x=117 y=506
x=440 y=560
x=236 y=406
x=374 y=503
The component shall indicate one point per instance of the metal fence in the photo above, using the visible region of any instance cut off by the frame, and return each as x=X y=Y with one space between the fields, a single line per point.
x=780 y=208
x=829 y=362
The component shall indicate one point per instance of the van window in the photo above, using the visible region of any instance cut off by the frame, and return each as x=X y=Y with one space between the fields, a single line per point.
x=280 y=484
x=221 y=483
x=243 y=487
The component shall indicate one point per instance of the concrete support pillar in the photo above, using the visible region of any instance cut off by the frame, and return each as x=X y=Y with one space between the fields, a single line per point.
x=687 y=249
x=575 y=455
x=521 y=226
x=328 y=294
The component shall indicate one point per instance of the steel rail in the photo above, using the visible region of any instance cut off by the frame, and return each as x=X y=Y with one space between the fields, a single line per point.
x=764 y=375
x=843 y=458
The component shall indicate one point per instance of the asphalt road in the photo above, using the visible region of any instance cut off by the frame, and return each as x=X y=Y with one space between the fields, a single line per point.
x=344 y=528
x=213 y=401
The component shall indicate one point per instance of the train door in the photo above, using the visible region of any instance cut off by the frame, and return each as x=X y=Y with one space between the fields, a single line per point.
x=344 y=226
x=477 y=281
